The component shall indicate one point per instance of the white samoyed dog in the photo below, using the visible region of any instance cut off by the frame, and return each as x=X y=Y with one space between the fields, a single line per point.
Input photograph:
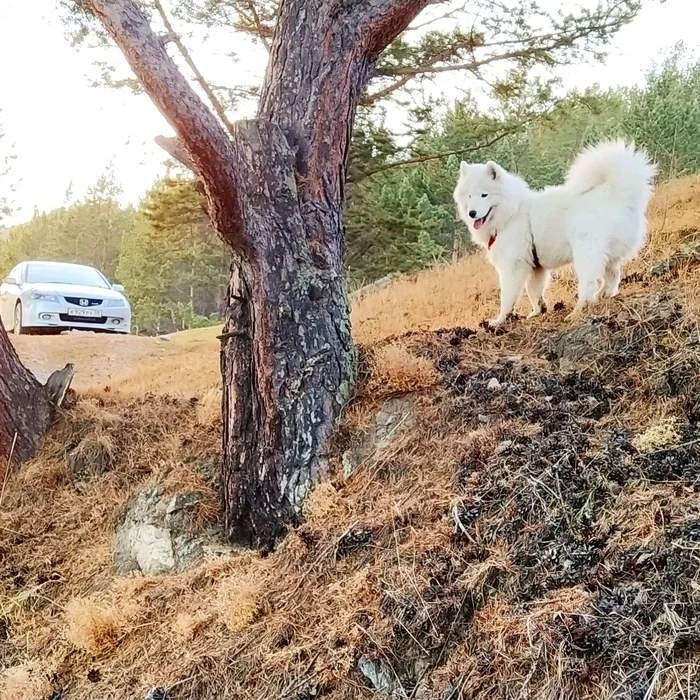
x=595 y=221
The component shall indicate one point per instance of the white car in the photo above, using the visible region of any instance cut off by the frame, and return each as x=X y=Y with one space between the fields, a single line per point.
x=39 y=295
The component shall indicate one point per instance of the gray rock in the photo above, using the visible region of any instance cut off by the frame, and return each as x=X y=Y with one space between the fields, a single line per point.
x=503 y=446
x=381 y=679
x=394 y=417
x=157 y=694
x=421 y=667
x=660 y=269
x=207 y=469
x=154 y=535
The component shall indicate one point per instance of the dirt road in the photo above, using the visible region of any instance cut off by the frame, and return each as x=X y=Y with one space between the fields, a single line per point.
x=97 y=358
x=180 y=363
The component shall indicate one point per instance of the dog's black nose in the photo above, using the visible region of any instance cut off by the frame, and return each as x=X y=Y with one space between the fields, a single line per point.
x=472 y=213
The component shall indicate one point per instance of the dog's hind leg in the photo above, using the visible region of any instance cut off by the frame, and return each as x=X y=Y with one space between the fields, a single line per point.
x=535 y=286
x=611 y=280
x=511 y=287
x=589 y=270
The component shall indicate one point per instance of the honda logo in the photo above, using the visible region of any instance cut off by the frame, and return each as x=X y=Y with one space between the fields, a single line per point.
x=84 y=302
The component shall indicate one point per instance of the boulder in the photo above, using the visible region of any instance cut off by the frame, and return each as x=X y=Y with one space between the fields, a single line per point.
x=155 y=535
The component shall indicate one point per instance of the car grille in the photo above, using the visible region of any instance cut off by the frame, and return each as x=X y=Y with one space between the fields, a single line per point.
x=67 y=318
x=76 y=301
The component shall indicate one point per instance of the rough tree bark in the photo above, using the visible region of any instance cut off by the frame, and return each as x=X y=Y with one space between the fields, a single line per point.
x=25 y=407
x=275 y=192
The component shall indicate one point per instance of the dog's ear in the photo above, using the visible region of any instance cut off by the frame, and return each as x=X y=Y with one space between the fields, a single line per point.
x=464 y=168
x=493 y=170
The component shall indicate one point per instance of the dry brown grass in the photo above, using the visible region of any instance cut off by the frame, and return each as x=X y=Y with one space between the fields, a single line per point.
x=209 y=406
x=240 y=601
x=186 y=364
x=187 y=625
x=25 y=682
x=382 y=568
x=97 y=629
x=57 y=589
x=395 y=369
x=325 y=504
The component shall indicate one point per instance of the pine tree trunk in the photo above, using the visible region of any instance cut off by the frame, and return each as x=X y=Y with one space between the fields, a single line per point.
x=25 y=408
x=275 y=194
x=288 y=361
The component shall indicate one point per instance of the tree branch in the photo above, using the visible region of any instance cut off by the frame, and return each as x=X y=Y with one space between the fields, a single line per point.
x=530 y=47
x=472 y=66
x=439 y=156
x=447 y=15
x=206 y=89
x=262 y=33
x=174 y=149
x=371 y=98
x=384 y=20
x=407 y=76
x=204 y=140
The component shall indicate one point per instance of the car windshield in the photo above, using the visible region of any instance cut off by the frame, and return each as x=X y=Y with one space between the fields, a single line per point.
x=64 y=273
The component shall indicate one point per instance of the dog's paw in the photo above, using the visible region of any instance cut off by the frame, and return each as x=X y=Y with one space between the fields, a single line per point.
x=495 y=325
x=489 y=327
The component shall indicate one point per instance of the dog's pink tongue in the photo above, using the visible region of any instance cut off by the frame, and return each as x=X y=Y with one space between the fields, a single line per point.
x=478 y=223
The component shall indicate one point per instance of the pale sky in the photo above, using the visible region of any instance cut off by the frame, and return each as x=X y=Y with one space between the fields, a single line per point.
x=66 y=131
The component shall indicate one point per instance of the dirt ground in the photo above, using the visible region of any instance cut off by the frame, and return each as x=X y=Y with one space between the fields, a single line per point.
x=97 y=358
x=112 y=361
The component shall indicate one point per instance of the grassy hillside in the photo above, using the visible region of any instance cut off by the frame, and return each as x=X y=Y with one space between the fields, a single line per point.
x=529 y=531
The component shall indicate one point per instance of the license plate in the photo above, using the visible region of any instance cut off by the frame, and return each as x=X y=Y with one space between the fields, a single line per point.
x=90 y=313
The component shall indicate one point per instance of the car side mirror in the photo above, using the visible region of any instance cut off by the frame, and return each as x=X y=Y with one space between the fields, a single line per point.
x=10 y=280
x=118 y=288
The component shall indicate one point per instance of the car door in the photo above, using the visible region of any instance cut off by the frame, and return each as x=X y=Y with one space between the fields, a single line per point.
x=9 y=292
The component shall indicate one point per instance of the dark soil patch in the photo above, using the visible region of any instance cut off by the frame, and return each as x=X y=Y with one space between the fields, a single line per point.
x=542 y=486
x=514 y=390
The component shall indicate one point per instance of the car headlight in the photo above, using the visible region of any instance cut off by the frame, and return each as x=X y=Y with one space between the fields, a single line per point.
x=115 y=302
x=39 y=296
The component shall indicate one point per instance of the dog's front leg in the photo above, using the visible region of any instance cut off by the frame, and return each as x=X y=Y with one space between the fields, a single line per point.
x=535 y=285
x=511 y=281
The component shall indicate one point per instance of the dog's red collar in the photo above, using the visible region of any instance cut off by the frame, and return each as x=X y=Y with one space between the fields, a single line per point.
x=492 y=240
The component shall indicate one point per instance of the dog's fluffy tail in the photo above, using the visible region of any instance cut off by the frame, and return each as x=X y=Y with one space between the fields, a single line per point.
x=617 y=165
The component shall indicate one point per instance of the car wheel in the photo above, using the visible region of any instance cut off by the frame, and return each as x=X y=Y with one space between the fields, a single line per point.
x=17 y=325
